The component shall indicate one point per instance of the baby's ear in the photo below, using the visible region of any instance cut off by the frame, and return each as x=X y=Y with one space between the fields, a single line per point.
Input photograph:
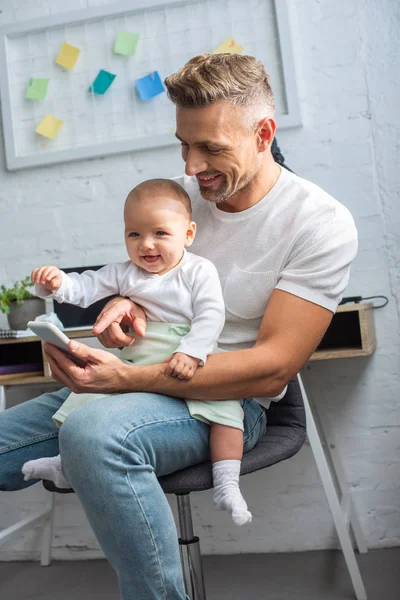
x=190 y=234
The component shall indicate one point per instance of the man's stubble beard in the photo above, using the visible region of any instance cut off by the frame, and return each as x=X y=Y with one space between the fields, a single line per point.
x=224 y=194
x=214 y=197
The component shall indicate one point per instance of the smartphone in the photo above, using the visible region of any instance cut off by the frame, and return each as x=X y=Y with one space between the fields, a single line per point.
x=48 y=332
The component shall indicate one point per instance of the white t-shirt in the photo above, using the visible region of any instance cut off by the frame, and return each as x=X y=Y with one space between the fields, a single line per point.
x=190 y=293
x=297 y=238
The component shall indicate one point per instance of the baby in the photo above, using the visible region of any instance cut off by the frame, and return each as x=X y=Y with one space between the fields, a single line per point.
x=182 y=297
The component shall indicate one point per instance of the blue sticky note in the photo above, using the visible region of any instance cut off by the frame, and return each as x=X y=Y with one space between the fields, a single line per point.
x=102 y=82
x=149 y=86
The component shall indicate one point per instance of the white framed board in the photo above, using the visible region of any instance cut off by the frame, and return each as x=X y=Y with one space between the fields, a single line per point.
x=52 y=112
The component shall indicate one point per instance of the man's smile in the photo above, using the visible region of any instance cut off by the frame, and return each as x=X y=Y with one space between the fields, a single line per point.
x=207 y=180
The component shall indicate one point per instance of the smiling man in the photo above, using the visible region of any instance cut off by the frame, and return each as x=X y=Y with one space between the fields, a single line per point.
x=220 y=153
x=282 y=247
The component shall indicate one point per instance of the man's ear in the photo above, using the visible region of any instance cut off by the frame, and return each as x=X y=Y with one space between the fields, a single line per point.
x=190 y=234
x=265 y=133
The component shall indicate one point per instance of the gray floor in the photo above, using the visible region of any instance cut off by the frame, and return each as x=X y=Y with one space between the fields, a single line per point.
x=300 y=576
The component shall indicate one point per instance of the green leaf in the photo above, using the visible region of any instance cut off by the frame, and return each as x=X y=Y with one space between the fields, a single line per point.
x=16 y=293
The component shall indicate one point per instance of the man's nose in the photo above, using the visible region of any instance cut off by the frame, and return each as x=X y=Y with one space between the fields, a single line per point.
x=195 y=162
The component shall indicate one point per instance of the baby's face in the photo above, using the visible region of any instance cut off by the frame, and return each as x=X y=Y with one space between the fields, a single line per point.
x=156 y=232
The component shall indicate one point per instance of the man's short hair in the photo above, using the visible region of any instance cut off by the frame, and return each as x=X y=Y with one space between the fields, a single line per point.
x=235 y=78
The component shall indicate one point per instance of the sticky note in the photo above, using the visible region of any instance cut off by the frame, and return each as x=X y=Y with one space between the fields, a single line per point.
x=102 y=82
x=67 y=56
x=37 y=89
x=126 y=43
x=229 y=46
x=149 y=86
x=49 y=126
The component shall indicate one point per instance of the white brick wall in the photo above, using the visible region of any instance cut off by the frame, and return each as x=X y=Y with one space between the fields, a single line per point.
x=347 y=59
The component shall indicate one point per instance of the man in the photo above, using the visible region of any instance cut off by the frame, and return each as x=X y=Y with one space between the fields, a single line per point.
x=282 y=247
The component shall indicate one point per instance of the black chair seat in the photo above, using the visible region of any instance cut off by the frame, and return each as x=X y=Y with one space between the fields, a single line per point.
x=285 y=435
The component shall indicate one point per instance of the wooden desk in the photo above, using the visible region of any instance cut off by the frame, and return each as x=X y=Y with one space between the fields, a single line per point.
x=351 y=333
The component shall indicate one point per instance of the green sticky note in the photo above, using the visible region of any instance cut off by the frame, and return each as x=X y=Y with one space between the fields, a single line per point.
x=126 y=43
x=37 y=89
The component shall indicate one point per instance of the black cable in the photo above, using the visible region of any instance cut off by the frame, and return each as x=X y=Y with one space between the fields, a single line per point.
x=380 y=305
x=357 y=299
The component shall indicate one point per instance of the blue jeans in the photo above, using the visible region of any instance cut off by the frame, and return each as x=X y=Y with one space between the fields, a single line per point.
x=113 y=449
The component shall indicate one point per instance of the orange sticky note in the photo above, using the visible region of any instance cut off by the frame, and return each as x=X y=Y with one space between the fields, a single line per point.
x=49 y=126
x=67 y=56
x=229 y=46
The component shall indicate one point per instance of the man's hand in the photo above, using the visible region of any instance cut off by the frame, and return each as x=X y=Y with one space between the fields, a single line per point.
x=101 y=373
x=48 y=277
x=181 y=365
x=114 y=320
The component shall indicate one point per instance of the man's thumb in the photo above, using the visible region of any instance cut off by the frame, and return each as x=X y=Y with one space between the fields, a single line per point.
x=77 y=348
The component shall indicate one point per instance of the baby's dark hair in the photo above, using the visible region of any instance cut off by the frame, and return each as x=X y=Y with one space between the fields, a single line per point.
x=165 y=185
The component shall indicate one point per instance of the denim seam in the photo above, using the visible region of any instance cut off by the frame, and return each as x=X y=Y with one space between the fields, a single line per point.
x=151 y=535
x=34 y=440
x=156 y=422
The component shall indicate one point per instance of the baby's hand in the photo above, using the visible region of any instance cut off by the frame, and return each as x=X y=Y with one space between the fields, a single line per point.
x=48 y=277
x=182 y=366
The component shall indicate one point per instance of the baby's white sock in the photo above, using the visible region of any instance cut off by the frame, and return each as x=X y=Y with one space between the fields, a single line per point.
x=227 y=495
x=46 y=468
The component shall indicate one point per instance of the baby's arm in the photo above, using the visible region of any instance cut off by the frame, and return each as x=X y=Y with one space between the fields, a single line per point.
x=80 y=289
x=208 y=321
x=48 y=277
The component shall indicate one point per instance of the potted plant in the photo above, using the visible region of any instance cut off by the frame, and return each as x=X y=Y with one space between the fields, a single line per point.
x=19 y=304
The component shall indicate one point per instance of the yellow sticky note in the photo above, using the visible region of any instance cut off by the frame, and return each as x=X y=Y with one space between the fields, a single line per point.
x=67 y=56
x=229 y=46
x=49 y=126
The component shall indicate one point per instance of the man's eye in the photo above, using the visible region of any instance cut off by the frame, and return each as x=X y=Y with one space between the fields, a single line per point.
x=161 y=233
x=214 y=150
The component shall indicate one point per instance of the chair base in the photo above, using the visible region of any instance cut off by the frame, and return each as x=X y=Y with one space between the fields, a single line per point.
x=189 y=546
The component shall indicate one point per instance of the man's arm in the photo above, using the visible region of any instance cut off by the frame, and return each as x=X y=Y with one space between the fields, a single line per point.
x=290 y=331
